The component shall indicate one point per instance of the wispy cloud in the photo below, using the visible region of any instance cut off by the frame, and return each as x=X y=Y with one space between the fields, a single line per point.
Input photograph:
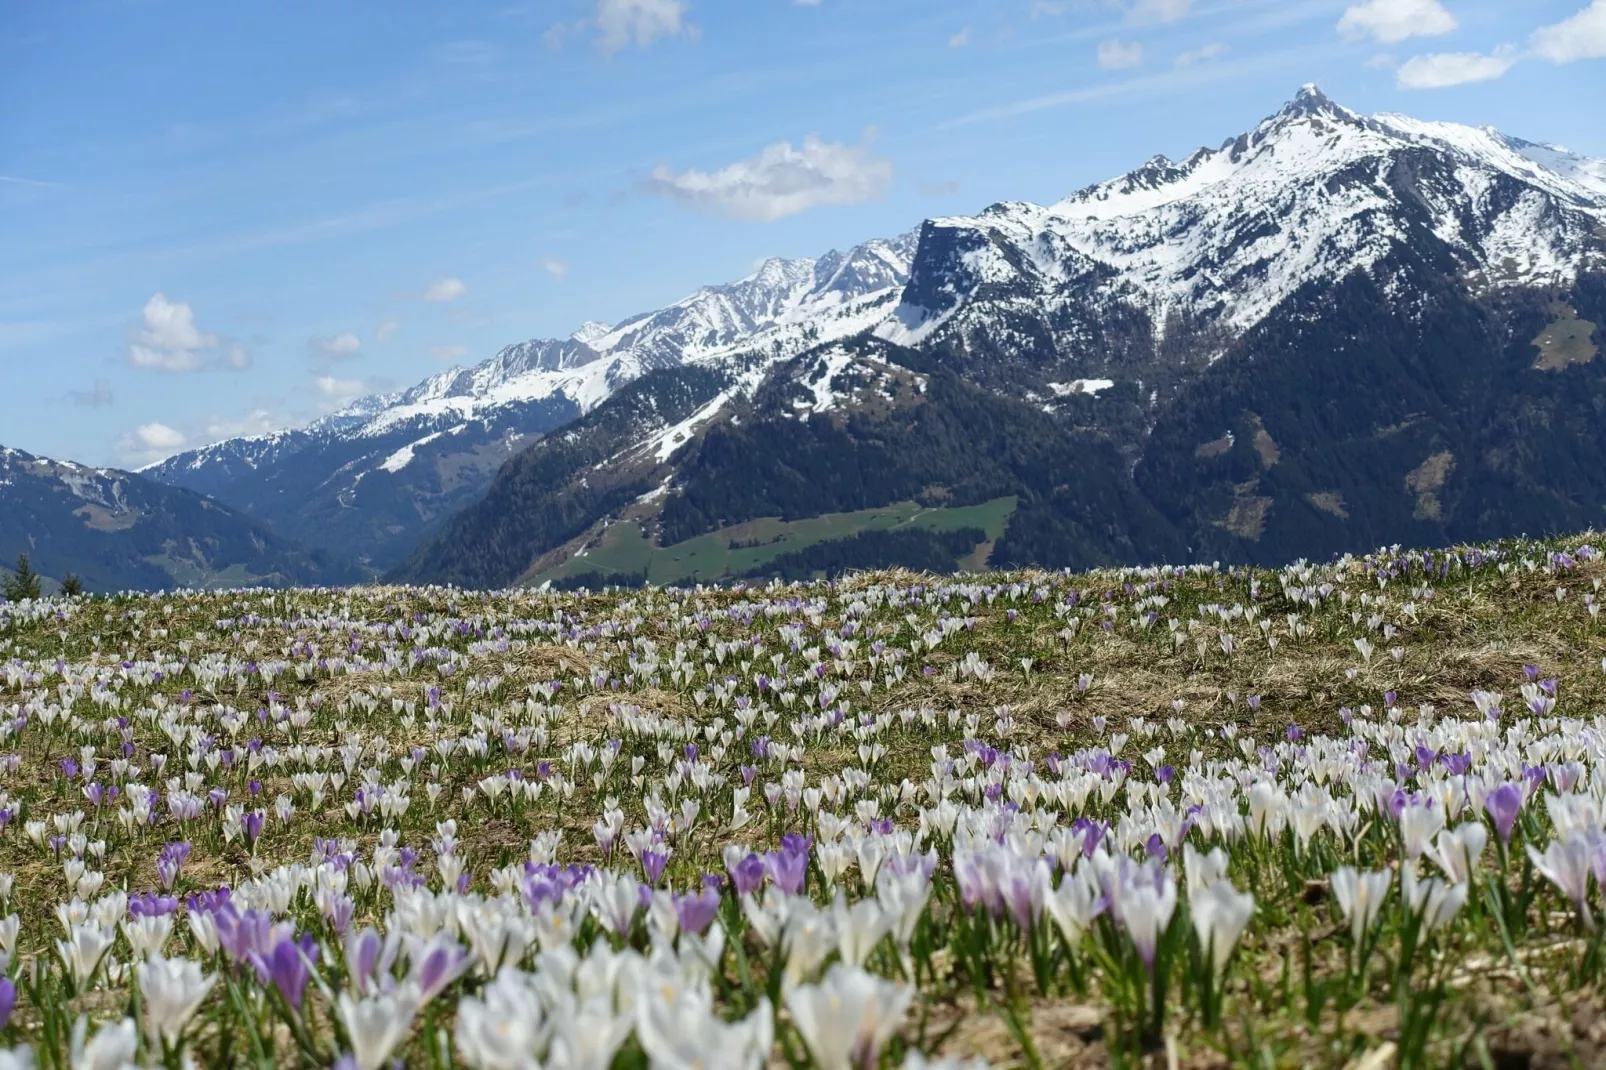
x=385 y=330
x=616 y=25
x=1157 y=12
x=1203 y=54
x=780 y=181
x=554 y=267
x=1442 y=69
x=1116 y=55
x=330 y=387
x=327 y=352
x=447 y=289
x=1148 y=85
x=18 y=180
x=451 y=352
x=98 y=396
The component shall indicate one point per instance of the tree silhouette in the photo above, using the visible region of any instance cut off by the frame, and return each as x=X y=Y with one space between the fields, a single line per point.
x=22 y=583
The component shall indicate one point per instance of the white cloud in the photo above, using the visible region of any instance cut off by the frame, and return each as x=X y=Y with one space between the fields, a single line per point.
x=554 y=267
x=158 y=436
x=147 y=444
x=385 y=330
x=1118 y=55
x=960 y=39
x=1580 y=36
x=1195 y=56
x=619 y=24
x=156 y=441
x=780 y=181
x=1150 y=12
x=1392 y=21
x=448 y=352
x=330 y=387
x=344 y=344
x=170 y=341
x=447 y=289
x=1441 y=69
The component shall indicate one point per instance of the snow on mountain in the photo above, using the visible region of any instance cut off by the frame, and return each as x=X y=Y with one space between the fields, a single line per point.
x=1313 y=193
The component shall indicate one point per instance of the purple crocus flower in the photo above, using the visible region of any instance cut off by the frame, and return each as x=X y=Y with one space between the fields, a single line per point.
x=653 y=863
x=445 y=962
x=288 y=967
x=697 y=911
x=788 y=869
x=253 y=826
x=146 y=904
x=748 y=875
x=8 y=1000
x=1503 y=803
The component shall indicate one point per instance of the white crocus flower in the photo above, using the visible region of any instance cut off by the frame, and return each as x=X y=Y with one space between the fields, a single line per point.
x=1220 y=914
x=1360 y=896
x=1437 y=902
x=1202 y=870
x=82 y=951
x=112 y=1047
x=1457 y=851
x=1076 y=903
x=171 y=991
x=377 y=1024
x=1566 y=863
x=505 y=1028
x=859 y=928
x=847 y=1017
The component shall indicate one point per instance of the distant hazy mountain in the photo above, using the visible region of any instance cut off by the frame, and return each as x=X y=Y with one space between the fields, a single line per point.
x=374 y=479
x=119 y=531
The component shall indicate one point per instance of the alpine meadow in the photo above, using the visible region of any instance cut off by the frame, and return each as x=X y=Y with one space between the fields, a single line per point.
x=1152 y=623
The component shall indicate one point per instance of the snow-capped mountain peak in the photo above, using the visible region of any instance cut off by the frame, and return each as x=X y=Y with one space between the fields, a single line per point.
x=590 y=331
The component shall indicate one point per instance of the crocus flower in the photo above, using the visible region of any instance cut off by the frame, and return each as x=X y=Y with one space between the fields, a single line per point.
x=171 y=991
x=747 y=876
x=1503 y=803
x=847 y=1018
x=1567 y=864
x=696 y=911
x=1360 y=896
x=1220 y=913
x=288 y=967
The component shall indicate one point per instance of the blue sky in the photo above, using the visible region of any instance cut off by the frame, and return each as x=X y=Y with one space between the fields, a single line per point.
x=219 y=218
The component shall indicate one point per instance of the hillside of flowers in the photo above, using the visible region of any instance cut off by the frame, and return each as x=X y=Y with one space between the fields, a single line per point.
x=1345 y=814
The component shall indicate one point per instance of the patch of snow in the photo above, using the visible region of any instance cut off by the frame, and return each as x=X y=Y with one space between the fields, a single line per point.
x=1081 y=386
x=404 y=456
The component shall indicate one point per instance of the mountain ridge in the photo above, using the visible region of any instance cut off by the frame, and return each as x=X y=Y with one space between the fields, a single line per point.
x=118 y=531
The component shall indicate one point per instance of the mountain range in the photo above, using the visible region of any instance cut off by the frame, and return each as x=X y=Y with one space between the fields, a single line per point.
x=120 y=531
x=1326 y=334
